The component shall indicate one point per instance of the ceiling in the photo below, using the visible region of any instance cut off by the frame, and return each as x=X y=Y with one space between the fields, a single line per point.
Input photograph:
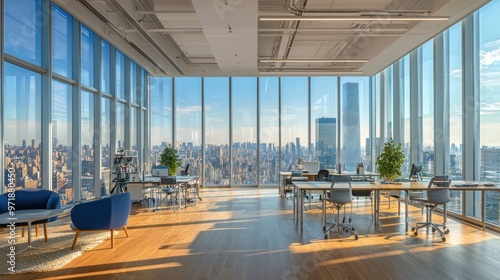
x=268 y=37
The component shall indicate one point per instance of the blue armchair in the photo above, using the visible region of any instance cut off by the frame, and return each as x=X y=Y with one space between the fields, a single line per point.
x=108 y=213
x=33 y=199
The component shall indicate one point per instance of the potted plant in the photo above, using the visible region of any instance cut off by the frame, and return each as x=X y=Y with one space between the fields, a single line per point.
x=169 y=158
x=390 y=161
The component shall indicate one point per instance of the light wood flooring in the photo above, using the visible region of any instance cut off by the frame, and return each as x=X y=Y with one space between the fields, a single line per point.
x=249 y=233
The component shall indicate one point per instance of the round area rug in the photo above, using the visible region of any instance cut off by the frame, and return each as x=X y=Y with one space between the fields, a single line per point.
x=46 y=256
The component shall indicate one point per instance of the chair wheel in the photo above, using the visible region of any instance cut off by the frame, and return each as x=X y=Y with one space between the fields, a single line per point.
x=415 y=233
x=350 y=219
x=433 y=230
x=446 y=231
x=326 y=236
x=356 y=237
x=444 y=238
x=324 y=228
x=412 y=229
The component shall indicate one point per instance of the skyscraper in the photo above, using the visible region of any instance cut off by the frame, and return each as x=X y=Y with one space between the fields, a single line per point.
x=326 y=142
x=351 y=148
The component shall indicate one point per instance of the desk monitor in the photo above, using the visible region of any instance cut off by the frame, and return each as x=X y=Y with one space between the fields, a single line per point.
x=311 y=166
x=416 y=170
x=159 y=171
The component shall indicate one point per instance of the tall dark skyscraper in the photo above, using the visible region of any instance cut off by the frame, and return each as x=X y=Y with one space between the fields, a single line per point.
x=351 y=148
x=299 y=148
x=326 y=142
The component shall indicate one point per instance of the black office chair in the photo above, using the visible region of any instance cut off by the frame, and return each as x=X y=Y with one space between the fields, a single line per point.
x=323 y=175
x=186 y=170
x=340 y=194
x=168 y=187
x=438 y=193
x=296 y=176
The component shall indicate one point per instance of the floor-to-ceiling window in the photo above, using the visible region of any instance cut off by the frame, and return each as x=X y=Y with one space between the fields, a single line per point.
x=324 y=121
x=120 y=126
x=427 y=86
x=489 y=44
x=161 y=115
x=455 y=100
x=294 y=121
x=62 y=141
x=106 y=145
x=355 y=120
x=188 y=122
x=244 y=129
x=269 y=130
x=22 y=114
x=217 y=159
x=62 y=24
x=87 y=142
x=87 y=56
x=405 y=80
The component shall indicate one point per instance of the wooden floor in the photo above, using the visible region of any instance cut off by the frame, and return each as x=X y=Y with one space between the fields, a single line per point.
x=245 y=233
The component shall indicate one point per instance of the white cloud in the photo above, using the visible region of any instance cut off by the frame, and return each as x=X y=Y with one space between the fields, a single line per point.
x=492 y=44
x=456 y=72
x=488 y=58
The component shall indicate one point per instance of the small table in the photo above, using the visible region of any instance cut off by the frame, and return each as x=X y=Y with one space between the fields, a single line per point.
x=28 y=216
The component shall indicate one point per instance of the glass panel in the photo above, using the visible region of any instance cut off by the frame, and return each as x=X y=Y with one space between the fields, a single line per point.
x=120 y=126
x=23 y=29
x=105 y=66
x=120 y=75
x=22 y=106
x=294 y=121
x=269 y=130
x=62 y=49
x=355 y=98
x=376 y=80
x=217 y=163
x=87 y=141
x=133 y=128
x=142 y=85
x=427 y=84
x=405 y=67
x=389 y=95
x=489 y=42
x=244 y=154
x=87 y=59
x=161 y=116
x=105 y=144
x=133 y=82
x=324 y=121
x=62 y=141
x=187 y=94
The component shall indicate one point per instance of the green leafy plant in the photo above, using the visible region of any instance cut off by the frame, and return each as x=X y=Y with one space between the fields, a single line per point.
x=390 y=161
x=169 y=158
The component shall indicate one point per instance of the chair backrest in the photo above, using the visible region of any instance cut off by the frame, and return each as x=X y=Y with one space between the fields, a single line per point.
x=438 y=190
x=100 y=214
x=341 y=189
x=168 y=180
x=186 y=170
x=296 y=173
x=33 y=199
x=323 y=175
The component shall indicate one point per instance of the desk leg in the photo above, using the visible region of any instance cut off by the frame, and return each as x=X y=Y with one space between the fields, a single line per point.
x=406 y=211
x=324 y=208
x=295 y=214
x=483 y=209
x=301 y=210
x=377 y=206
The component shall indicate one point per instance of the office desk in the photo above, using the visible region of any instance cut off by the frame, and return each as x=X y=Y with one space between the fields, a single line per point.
x=287 y=174
x=377 y=187
x=152 y=183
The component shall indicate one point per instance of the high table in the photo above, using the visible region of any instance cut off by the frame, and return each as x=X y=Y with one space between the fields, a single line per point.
x=377 y=187
x=28 y=216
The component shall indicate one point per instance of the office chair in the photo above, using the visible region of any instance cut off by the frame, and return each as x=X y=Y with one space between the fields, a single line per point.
x=438 y=193
x=186 y=170
x=296 y=176
x=168 y=186
x=340 y=194
x=323 y=175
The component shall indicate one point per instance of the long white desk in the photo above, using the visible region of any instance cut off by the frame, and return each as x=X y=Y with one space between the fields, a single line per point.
x=377 y=187
x=150 y=182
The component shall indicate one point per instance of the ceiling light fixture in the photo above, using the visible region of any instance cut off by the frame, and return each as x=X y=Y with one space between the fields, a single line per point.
x=309 y=73
x=315 y=60
x=360 y=18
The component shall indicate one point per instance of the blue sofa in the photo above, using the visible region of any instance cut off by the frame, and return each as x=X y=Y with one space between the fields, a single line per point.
x=33 y=199
x=108 y=213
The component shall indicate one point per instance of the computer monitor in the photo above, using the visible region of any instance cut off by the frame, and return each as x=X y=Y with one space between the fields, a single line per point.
x=159 y=171
x=415 y=173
